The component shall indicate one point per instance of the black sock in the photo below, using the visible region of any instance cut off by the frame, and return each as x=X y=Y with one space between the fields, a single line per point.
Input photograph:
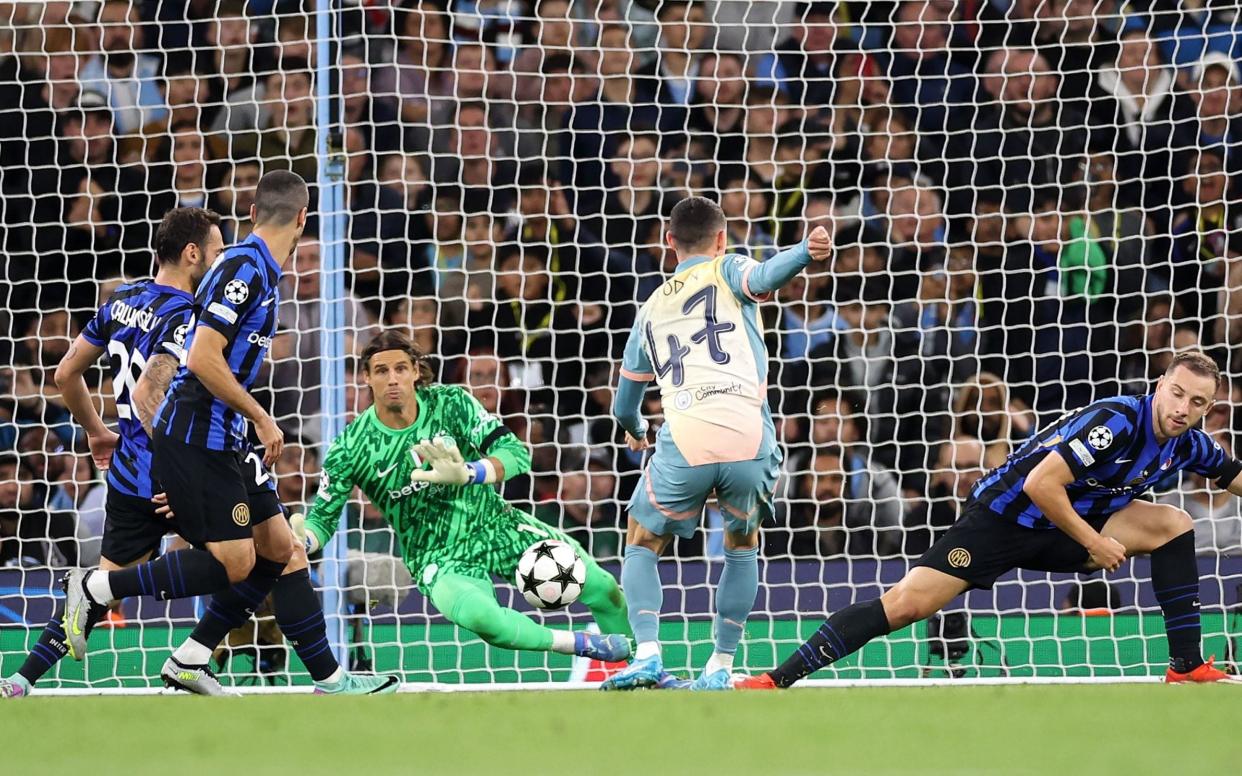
x=50 y=647
x=844 y=633
x=299 y=615
x=179 y=574
x=1175 y=579
x=232 y=607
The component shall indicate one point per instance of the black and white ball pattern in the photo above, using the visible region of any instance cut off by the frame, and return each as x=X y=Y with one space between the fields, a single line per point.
x=550 y=574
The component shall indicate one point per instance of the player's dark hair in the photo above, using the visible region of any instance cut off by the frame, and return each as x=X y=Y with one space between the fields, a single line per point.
x=281 y=195
x=1198 y=363
x=180 y=227
x=694 y=222
x=395 y=339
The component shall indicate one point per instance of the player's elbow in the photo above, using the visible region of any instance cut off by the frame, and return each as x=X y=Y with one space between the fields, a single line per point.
x=197 y=361
x=65 y=374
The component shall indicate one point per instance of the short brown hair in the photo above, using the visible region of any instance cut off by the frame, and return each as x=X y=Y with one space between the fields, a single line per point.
x=395 y=339
x=279 y=197
x=180 y=227
x=694 y=221
x=1198 y=363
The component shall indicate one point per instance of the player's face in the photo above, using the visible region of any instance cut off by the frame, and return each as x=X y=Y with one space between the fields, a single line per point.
x=211 y=250
x=1182 y=399
x=391 y=376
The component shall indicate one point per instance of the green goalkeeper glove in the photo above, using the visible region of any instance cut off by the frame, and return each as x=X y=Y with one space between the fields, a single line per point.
x=306 y=538
x=447 y=465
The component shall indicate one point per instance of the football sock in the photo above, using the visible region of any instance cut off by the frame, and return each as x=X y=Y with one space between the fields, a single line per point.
x=299 y=615
x=231 y=607
x=602 y=595
x=1175 y=579
x=179 y=574
x=50 y=647
x=735 y=595
x=640 y=579
x=844 y=633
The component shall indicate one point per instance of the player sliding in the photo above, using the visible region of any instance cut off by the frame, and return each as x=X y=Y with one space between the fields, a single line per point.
x=1065 y=501
x=700 y=338
x=219 y=490
x=406 y=454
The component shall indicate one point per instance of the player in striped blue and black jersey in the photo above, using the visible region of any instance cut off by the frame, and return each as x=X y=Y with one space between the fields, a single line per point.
x=219 y=489
x=142 y=329
x=1066 y=501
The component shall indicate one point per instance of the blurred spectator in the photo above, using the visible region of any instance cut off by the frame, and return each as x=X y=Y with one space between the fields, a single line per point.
x=81 y=491
x=983 y=409
x=285 y=139
x=473 y=161
x=803 y=66
x=1206 y=233
x=297 y=476
x=815 y=513
x=717 y=120
x=375 y=119
x=1214 y=91
x=185 y=94
x=233 y=198
x=745 y=207
x=668 y=80
x=28 y=530
x=634 y=207
x=420 y=316
x=297 y=347
x=586 y=507
x=959 y=465
x=237 y=85
x=926 y=82
x=127 y=78
x=422 y=71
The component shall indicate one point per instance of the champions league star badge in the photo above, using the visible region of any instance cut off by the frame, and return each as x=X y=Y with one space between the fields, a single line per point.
x=1100 y=437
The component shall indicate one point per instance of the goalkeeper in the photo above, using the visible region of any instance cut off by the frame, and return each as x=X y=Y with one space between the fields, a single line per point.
x=405 y=454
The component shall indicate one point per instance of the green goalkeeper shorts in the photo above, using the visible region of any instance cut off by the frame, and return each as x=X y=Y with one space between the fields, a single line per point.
x=494 y=553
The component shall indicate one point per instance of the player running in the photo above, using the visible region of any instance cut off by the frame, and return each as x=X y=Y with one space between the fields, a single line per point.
x=699 y=336
x=141 y=325
x=215 y=483
x=406 y=454
x=1065 y=502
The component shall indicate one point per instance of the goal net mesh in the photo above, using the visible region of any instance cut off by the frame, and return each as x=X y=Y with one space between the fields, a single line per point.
x=1033 y=205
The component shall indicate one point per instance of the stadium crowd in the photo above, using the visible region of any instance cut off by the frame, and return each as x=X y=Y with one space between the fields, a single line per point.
x=1033 y=204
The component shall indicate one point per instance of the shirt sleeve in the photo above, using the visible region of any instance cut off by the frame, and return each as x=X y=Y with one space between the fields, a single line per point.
x=486 y=436
x=234 y=291
x=336 y=482
x=1208 y=458
x=1093 y=439
x=636 y=362
x=753 y=281
x=170 y=337
x=96 y=330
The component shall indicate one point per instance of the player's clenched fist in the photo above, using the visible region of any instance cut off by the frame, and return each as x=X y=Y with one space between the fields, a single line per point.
x=1108 y=552
x=819 y=244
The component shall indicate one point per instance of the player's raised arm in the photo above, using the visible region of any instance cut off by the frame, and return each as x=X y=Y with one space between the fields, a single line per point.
x=756 y=281
x=69 y=379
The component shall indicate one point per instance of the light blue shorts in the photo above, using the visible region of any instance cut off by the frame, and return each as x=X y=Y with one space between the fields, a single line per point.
x=671 y=494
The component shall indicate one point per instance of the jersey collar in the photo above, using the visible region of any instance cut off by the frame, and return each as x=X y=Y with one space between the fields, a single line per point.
x=174 y=291
x=257 y=241
x=693 y=261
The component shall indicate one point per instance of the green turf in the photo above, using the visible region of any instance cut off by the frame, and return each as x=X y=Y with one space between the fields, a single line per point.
x=1132 y=729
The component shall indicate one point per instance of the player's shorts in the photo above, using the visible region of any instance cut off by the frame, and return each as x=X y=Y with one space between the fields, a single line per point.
x=217 y=495
x=982 y=545
x=132 y=529
x=671 y=494
x=494 y=553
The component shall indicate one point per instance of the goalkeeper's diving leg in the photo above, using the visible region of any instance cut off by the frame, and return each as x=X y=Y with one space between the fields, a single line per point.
x=470 y=602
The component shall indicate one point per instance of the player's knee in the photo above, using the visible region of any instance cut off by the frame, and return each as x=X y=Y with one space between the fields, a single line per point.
x=238 y=565
x=1176 y=522
x=905 y=607
x=297 y=559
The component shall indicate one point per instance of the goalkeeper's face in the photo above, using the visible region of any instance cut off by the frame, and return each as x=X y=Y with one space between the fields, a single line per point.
x=392 y=376
x=1181 y=400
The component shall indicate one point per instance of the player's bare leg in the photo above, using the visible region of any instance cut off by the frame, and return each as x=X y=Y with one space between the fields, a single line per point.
x=921 y=593
x=1167 y=534
x=640 y=579
x=735 y=595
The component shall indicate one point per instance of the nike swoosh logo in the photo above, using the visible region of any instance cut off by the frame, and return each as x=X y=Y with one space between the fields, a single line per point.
x=268 y=302
x=385 y=472
x=73 y=621
x=1125 y=460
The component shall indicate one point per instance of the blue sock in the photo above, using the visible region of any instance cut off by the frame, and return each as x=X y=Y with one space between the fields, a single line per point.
x=230 y=608
x=1175 y=579
x=50 y=647
x=299 y=615
x=179 y=574
x=643 y=592
x=735 y=596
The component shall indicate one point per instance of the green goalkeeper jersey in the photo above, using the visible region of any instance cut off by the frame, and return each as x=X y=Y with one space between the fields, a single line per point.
x=440 y=525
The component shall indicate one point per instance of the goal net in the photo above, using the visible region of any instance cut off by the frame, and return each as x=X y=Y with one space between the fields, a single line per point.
x=1033 y=205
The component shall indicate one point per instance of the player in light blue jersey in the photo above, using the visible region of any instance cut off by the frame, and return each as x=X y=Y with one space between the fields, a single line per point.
x=700 y=338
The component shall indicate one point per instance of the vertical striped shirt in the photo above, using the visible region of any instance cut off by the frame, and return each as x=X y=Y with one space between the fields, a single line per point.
x=1112 y=451
x=140 y=320
x=238 y=297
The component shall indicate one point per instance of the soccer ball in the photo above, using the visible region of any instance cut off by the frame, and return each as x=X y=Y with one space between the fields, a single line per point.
x=550 y=574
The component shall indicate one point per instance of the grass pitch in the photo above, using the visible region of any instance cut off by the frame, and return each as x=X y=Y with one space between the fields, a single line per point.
x=1118 y=729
